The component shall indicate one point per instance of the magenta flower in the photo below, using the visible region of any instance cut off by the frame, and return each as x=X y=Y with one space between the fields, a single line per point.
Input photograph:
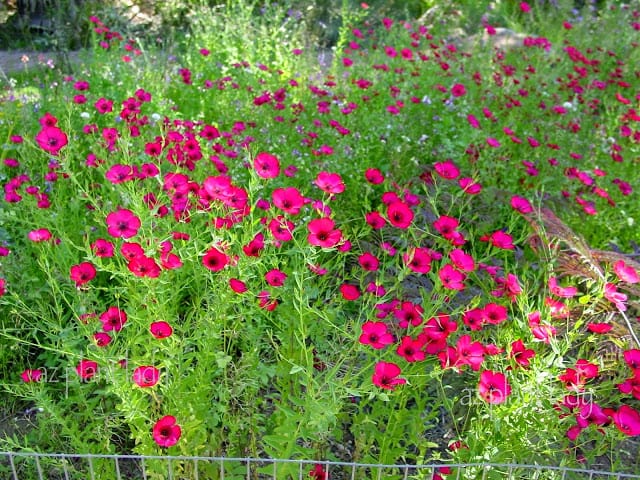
x=215 y=260
x=123 y=223
x=451 y=278
x=349 y=292
x=102 y=248
x=87 y=369
x=266 y=165
x=238 y=286
x=102 y=339
x=146 y=376
x=289 y=200
x=376 y=335
x=161 y=329
x=31 y=375
x=275 y=277
x=166 y=432
x=418 y=259
x=627 y=420
x=626 y=273
x=82 y=273
x=51 y=140
x=39 y=235
x=411 y=350
x=113 y=319
x=399 y=215
x=322 y=233
x=330 y=183
x=493 y=387
x=386 y=376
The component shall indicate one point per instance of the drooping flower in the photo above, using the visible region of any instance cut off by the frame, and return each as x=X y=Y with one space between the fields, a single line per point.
x=238 y=286
x=146 y=376
x=166 y=432
x=386 y=375
x=521 y=354
x=493 y=387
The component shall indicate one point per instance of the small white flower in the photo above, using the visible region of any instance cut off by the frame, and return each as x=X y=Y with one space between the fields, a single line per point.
x=85 y=115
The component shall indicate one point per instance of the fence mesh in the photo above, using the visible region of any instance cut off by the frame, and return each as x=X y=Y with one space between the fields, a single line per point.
x=32 y=466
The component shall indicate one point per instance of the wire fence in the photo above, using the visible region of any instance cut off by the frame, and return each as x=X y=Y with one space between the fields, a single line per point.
x=40 y=466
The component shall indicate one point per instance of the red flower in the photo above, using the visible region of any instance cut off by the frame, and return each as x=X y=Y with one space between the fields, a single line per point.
x=113 y=319
x=161 y=329
x=289 y=200
x=87 y=369
x=255 y=246
x=376 y=335
x=166 y=432
x=375 y=220
x=318 y=472
x=215 y=260
x=146 y=376
x=374 y=176
x=123 y=223
x=501 y=240
x=408 y=314
x=143 y=266
x=51 y=139
x=399 y=214
x=521 y=204
x=322 y=233
x=521 y=354
x=494 y=313
x=82 y=273
x=493 y=387
x=349 y=292
x=266 y=165
x=411 y=350
x=386 y=376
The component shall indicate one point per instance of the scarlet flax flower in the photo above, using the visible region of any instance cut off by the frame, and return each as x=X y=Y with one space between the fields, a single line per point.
x=493 y=387
x=146 y=376
x=376 y=335
x=82 y=273
x=166 y=432
x=123 y=223
x=386 y=376
x=51 y=140
x=322 y=233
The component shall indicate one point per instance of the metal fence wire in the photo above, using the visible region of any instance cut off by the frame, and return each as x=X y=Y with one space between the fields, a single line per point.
x=59 y=466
